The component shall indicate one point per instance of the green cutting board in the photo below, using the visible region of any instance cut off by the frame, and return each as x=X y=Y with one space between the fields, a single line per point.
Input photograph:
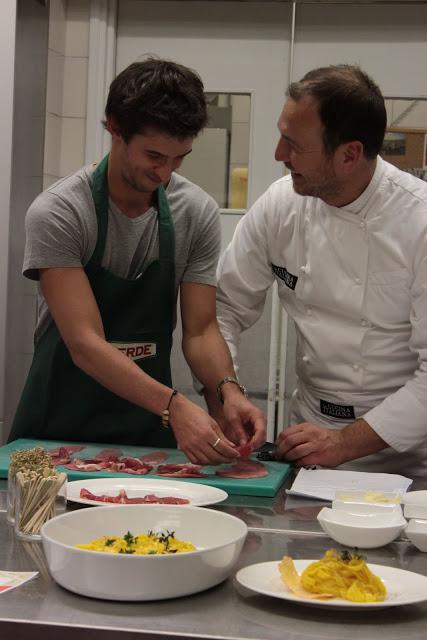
x=266 y=486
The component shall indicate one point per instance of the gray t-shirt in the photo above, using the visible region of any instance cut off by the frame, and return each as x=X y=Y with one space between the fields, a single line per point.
x=61 y=231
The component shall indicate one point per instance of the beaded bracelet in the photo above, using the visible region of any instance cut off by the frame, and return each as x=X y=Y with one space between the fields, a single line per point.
x=165 y=412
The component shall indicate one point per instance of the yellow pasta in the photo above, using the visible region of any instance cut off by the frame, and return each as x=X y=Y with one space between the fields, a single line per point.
x=345 y=576
x=142 y=544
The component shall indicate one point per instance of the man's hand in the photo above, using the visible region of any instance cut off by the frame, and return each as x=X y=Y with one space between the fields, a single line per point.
x=306 y=443
x=240 y=420
x=196 y=433
x=244 y=422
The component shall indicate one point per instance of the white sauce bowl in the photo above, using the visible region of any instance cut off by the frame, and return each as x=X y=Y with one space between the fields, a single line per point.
x=362 y=530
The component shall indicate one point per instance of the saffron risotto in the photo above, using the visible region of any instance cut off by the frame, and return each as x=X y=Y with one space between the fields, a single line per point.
x=142 y=544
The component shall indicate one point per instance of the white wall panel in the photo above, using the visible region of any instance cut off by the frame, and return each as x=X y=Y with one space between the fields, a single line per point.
x=235 y=47
x=387 y=41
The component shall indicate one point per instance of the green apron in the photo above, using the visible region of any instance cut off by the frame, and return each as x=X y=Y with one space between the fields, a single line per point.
x=61 y=402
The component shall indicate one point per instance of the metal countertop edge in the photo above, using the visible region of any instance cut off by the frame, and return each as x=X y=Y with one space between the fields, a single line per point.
x=136 y=632
x=300 y=532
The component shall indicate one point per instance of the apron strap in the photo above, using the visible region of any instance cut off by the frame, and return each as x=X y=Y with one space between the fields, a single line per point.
x=166 y=228
x=100 y=199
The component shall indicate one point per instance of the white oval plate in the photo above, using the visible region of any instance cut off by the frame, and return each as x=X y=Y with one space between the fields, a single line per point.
x=199 y=495
x=403 y=587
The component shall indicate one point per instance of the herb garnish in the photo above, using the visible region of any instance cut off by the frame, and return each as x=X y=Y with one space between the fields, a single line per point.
x=346 y=555
x=129 y=538
x=165 y=538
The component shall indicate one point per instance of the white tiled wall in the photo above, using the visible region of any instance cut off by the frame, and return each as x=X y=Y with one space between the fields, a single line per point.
x=66 y=88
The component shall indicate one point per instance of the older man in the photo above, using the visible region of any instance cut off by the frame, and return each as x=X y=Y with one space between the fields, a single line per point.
x=345 y=238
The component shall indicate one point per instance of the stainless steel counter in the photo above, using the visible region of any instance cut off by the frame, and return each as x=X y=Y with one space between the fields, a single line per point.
x=42 y=609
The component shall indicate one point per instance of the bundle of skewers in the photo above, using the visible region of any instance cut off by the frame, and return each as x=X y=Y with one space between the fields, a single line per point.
x=37 y=493
x=34 y=485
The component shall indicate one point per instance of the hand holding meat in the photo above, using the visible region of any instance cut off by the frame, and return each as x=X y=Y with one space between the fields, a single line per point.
x=244 y=423
x=307 y=444
x=198 y=435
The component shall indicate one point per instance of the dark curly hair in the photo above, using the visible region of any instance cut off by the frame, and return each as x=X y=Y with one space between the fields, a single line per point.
x=350 y=106
x=157 y=94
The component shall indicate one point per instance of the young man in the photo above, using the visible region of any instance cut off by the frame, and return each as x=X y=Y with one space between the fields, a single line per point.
x=345 y=238
x=112 y=245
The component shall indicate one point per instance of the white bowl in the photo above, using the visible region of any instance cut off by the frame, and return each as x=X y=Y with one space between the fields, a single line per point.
x=415 y=504
x=218 y=537
x=365 y=531
x=417 y=533
x=366 y=507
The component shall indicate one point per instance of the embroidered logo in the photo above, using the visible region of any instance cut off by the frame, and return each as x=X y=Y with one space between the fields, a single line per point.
x=340 y=411
x=137 y=350
x=282 y=273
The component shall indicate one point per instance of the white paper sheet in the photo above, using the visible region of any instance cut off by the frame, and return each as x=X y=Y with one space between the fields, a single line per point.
x=323 y=483
x=11 y=579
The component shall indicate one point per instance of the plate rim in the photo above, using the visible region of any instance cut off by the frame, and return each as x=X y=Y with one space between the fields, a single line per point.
x=221 y=494
x=336 y=603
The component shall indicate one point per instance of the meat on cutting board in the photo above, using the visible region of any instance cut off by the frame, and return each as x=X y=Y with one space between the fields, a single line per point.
x=157 y=457
x=244 y=469
x=122 y=465
x=62 y=455
x=109 y=454
x=184 y=470
x=113 y=461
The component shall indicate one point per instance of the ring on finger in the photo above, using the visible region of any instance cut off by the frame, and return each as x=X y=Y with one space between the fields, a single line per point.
x=217 y=441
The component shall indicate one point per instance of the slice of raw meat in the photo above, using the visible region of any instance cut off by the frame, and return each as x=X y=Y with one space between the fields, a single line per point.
x=244 y=450
x=134 y=463
x=184 y=470
x=153 y=499
x=141 y=471
x=157 y=457
x=122 y=498
x=62 y=455
x=109 y=454
x=244 y=469
x=69 y=448
x=86 y=465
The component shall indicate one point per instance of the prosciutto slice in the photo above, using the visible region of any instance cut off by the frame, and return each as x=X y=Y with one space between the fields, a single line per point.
x=184 y=470
x=244 y=450
x=133 y=466
x=244 y=469
x=157 y=457
x=62 y=455
x=122 y=498
x=110 y=459
x=86 y=465
x=109 y=454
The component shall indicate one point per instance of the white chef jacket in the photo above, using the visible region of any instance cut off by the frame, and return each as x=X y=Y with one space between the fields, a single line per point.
x=354 y=280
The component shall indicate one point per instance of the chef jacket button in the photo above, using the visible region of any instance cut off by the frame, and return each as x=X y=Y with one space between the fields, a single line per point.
x=358 y=281
x=356 y=367
x=362 y=225
x=364 y=322
x=305 y=358
x=303 y=269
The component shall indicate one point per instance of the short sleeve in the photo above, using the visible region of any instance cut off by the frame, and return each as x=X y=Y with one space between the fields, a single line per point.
x=55 y=236
x=205 y=247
